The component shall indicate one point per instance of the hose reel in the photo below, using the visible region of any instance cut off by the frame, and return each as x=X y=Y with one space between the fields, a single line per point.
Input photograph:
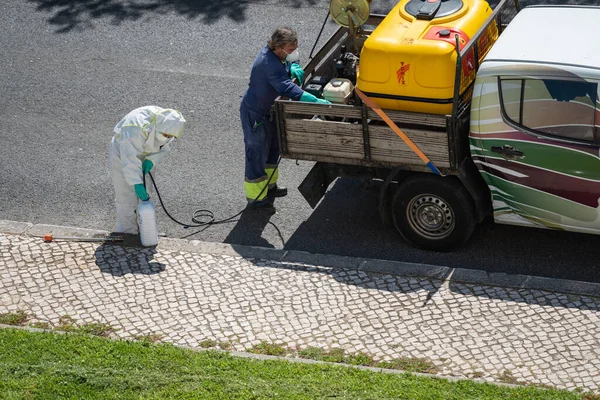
x=351 y=14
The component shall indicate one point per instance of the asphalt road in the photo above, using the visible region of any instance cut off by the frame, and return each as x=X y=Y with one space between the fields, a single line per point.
x=72 y=68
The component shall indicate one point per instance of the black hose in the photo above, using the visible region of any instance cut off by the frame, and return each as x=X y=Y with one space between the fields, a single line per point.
x=203 y=217
x=319 y=35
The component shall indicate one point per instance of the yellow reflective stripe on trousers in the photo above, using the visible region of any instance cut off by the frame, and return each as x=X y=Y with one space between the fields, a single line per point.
x=273 y=173
x=256 y=189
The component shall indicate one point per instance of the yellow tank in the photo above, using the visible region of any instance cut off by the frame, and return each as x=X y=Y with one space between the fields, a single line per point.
x=409 y=61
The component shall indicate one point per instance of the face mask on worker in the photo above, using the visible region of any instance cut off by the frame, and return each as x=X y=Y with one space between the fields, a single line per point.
x=162 y=138
x=293 y=56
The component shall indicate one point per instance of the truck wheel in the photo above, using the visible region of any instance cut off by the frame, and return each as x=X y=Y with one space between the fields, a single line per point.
x=433 y=213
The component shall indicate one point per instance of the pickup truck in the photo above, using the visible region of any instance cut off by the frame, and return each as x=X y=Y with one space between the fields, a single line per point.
x=521 y=144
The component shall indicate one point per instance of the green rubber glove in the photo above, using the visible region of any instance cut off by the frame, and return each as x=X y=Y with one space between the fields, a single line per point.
x=297 y=72
x=147 y=166
x=140 y=192
x=309 y=98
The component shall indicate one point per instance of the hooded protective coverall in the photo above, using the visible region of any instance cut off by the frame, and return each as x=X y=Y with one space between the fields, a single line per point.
x=138 y=137
x=269 y=78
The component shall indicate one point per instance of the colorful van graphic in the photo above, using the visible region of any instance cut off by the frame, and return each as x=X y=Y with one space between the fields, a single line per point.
x=534 y=130
x=534 y=139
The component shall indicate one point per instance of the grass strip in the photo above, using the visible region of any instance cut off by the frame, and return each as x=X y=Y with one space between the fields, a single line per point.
x=49 y=365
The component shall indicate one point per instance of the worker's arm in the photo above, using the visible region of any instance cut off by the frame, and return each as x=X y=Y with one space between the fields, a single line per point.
x=278 y=78
x=164 y=150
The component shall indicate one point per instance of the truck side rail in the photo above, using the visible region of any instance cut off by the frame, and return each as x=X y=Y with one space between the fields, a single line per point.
x=471 y=56
x=467 y=64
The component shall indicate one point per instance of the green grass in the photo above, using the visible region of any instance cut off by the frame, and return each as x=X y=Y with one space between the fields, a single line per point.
x=336 y=355
x=49 y=365
x=206 y=344
x=17 y=318
x=40 y=325
x=269 y=349
x=340 y=356
x=410 y=365
x=68 y=324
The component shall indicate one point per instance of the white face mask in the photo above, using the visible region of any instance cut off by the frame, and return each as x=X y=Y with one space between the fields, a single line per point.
x=293 y=56
x=161 y=139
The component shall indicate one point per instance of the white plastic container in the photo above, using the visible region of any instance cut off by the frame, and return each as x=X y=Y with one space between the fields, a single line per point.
x=338 y=90
x=146 y=213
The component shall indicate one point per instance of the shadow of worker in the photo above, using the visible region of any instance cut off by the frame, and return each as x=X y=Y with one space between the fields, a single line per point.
x=249 y=228
x=119 y=260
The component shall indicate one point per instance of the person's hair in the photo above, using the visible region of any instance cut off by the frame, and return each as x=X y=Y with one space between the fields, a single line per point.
x=282 y=36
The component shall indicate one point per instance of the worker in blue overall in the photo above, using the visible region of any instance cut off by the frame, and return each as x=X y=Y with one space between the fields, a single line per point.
x=271 y=76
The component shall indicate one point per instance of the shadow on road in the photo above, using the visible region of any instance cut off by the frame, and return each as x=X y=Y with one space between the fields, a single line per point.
x=79 y=14
x=249 y=228
x=347 y=223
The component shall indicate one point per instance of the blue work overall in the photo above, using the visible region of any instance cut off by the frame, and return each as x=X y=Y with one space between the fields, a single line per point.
x=269 y=78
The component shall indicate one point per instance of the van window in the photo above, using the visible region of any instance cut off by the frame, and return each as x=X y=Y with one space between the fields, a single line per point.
x=560 y=108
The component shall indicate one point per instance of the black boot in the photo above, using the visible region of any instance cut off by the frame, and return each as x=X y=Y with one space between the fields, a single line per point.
x=264 y=206
x=277 y=191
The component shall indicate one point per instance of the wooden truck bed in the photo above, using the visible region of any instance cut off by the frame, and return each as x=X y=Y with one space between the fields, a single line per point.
x=363 y=139
x=355 y=135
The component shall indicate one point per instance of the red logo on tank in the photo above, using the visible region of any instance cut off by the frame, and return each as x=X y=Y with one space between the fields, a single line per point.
x=402 y=72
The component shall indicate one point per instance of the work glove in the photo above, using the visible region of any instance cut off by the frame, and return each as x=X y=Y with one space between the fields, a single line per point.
x=313 y=99
x=147 y=166
x=297 y=72
x=140 y=192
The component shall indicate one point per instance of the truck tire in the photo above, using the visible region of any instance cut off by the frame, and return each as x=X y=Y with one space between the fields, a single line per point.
x=433 y=212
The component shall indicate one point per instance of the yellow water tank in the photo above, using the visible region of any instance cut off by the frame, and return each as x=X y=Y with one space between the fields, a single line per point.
x=409 y=61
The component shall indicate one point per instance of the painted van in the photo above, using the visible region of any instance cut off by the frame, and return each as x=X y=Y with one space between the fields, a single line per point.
x=535 y=119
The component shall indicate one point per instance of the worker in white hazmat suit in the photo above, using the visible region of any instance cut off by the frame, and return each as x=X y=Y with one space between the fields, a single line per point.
x=142 y=138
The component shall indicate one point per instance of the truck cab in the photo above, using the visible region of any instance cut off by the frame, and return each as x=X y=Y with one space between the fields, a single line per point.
x=534 y=120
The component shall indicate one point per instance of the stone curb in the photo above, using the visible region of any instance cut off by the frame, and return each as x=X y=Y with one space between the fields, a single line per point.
x=264 y=357
x=390 y=267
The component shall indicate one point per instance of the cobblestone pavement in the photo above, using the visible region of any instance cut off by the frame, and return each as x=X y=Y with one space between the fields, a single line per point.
x=491 y=333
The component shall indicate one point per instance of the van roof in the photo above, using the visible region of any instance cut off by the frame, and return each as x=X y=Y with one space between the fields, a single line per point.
x=564 y=35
